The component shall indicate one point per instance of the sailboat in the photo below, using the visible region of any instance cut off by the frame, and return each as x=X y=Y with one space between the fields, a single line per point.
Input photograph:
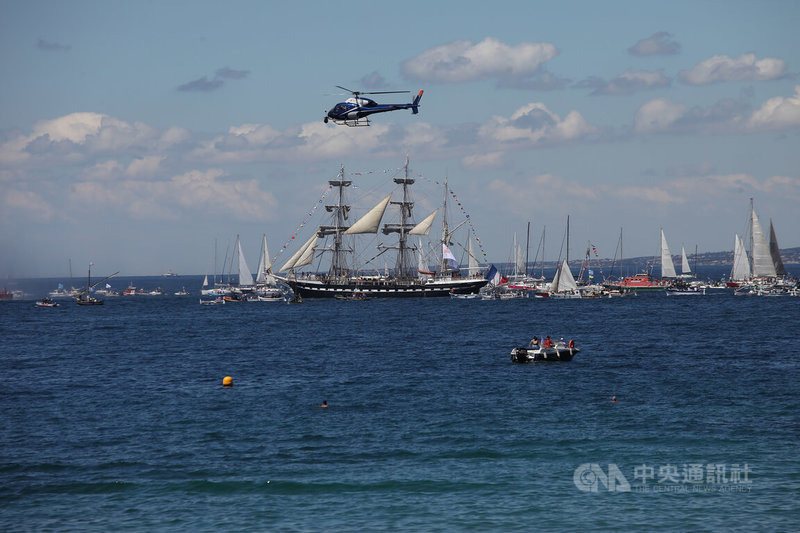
x=741 y=264
x=563 y=284
x=85 y=297
x=265 y=288
x=405 y=280
x=762 y=264
x=686 y=270
x=667 y=266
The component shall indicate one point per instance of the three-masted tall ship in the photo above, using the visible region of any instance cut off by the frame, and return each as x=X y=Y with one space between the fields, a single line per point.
x=410 y=276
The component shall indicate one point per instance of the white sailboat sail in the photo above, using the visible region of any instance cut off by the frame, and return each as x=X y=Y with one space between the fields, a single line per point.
x=424 y=227
x=667 y=266
x=297 y=260
x=519 y=263
x=775 y=251
x=685 y=269
x=472 y=266
x=245 y=277
x=370 y=222
x=422 y=268
x=554 y=283
x=264 y=265
x=762 y=260
x=566 y=281
x=741 y=265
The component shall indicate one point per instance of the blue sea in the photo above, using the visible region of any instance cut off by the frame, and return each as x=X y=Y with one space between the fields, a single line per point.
x=114 y=418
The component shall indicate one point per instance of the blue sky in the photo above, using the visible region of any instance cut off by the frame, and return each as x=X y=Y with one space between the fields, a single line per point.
x=134 y=134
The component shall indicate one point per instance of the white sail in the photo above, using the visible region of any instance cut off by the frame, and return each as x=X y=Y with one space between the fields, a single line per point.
x=519 y=263
x=472 y=266
x=299 y=255
x=741 y=266
x=685 y=269
x=245 y=277
x=775 y=251
x=205 y=281
x=762 y=260
x=667 y=267
x=370 y=222
x=424 y=227
x=566 y=281
x=421 y=266
x=554 y=283
x=264 y=265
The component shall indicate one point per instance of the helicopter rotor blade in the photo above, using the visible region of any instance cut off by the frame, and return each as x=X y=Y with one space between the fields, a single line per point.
x=386 y=92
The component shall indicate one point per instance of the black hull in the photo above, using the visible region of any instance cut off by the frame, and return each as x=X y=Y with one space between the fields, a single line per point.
x=524 y=355
x=379 y=289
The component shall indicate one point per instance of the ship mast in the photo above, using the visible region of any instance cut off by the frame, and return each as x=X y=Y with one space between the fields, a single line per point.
x=445 y=231
x=340 y=213
x=405 y=266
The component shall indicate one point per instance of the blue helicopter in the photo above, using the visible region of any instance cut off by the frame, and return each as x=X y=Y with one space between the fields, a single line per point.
x=356 y=110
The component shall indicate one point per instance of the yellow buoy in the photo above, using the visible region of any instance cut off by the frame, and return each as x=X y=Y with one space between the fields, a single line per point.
x=227 y=381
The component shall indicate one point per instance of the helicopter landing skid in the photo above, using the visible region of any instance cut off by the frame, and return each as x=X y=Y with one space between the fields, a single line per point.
x=361 y=122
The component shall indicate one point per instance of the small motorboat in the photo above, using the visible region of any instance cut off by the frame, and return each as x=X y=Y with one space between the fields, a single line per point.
x=46 y=302
x=561 y=351
x=212 y=302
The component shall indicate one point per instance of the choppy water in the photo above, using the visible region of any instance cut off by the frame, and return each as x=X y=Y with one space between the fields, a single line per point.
x=114 y=417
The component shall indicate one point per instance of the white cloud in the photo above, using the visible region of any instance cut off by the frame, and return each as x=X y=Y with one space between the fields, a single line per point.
x=720 y=68
x=534 y=124
x=660 y=43
x=461 y=61
x=104 y=170
x=29 y=202
x=542 y=189
x=76 y=136
x=658 y=115
x=483 y=160
x=628 y=82
x=144 y=166
x=777 y=113
x=662 y=115
x=196 y=190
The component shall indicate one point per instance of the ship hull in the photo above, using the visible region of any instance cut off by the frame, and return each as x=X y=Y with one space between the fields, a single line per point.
x=385 y=289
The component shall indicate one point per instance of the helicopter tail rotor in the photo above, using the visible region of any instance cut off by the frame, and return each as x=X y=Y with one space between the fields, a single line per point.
x=415 y=104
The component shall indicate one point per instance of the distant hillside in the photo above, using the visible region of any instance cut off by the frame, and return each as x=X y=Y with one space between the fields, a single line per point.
x=790 y=256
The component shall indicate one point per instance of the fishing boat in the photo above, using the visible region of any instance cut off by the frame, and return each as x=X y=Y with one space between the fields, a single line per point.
x=561 y=351
x=6 y=294
x=406 y=280
x=85 y=297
